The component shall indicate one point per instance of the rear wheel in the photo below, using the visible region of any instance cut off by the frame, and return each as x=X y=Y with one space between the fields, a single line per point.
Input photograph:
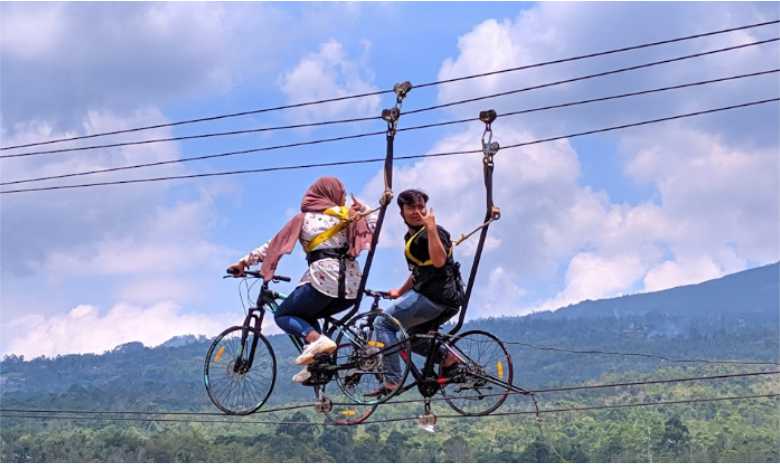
x=363 y=360
x=475 y=388
x=360 y=369
x=233 y=385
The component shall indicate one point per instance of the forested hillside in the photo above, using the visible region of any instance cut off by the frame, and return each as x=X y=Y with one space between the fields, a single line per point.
x=733 y=318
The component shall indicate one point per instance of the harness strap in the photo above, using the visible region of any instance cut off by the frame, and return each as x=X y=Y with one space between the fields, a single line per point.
x=416 y=261
x=335 y=253
x=340 y=212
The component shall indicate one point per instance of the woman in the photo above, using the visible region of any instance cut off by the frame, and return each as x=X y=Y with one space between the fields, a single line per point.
x=332 y=236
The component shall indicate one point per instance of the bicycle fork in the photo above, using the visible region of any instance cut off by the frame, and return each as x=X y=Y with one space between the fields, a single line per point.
x=254 y=321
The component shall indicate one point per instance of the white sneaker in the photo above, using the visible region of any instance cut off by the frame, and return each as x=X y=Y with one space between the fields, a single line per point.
x=302 y=376
x=321 y=345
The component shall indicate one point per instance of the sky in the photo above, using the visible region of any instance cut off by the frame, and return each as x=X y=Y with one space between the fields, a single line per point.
x=637 y=210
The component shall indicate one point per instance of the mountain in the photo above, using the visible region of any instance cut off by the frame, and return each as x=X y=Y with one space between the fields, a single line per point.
x=734 y=318
x=751 y=293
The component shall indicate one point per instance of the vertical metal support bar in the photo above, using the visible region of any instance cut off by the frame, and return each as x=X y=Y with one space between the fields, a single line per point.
x=391 y=116
x=489 y=150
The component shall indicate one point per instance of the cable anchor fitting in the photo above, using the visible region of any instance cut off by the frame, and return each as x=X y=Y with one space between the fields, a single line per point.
x=427 y=421
x=487 y=116
x=391 y=115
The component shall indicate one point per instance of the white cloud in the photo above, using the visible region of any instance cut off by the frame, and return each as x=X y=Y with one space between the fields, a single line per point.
x=37 y=224
x=682 y=272
x=61 y=60
x=714 y=194
x=716 y=178
x=330 y=73
x=548 y=31
x=590 y=276
x=29 y=33
x=87 y=329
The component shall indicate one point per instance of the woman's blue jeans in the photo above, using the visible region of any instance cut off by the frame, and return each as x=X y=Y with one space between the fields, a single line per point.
x=298 y=313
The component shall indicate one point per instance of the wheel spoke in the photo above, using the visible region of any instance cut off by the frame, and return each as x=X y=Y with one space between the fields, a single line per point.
x=235 y=392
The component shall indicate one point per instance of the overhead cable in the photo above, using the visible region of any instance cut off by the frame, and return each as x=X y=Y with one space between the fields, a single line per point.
x=387 y=91
x=414 y=111
x=375 y=160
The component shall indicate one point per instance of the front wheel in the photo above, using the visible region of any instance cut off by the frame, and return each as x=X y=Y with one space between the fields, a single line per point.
x=478 y=387
x=237 y=380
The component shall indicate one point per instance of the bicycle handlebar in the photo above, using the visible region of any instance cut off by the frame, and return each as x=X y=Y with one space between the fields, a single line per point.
x=256 y=274
x=377 y=294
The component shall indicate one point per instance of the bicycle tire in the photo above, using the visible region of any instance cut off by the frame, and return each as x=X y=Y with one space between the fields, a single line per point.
x=477 y=402
x=214 y=367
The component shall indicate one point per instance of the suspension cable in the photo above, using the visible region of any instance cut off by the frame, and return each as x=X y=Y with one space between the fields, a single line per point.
x=644 y=355
x=402 y=419
x=382 y=92
x=424 y=109
x=374 y=160
x=591 y=76
x=410 y=128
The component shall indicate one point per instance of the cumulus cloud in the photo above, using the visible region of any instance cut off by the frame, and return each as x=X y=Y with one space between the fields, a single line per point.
x=591 y=276
x=681 y=272
x=87 y=329
x=713 y=206
x=329 y=73
x=556 y=30
x=62 y=60
x=37 y=224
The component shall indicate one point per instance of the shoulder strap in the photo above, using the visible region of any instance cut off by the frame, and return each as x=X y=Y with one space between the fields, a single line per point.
x=340 y=212
x=408 y=251
x=412 y=258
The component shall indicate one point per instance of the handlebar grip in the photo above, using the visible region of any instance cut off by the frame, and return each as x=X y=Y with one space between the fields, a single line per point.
x=281 y=278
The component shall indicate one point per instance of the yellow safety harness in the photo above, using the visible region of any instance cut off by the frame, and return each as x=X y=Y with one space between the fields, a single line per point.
x=340 y=212
x=414 y=259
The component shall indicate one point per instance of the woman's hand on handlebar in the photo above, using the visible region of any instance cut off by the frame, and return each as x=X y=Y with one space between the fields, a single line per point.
x=237 y=269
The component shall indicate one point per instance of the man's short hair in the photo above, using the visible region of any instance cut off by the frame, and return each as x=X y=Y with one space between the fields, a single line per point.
x=412 y=197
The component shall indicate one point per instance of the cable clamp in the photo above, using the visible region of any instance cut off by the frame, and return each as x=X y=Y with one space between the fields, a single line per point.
x=391 y=115
x=489 y=150
x=487 y=116
x=401 y=89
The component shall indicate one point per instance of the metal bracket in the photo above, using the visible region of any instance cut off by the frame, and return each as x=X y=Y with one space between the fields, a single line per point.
x=391 y=115
x=427 y=421
x=323 y=405
x=401 y=89
x=488 y=116
x=489 y=150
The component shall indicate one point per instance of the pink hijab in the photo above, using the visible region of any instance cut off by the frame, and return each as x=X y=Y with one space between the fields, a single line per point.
x=324 y=193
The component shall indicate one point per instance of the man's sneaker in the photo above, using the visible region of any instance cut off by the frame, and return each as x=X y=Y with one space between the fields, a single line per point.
x=302 y=376
x=321 y=345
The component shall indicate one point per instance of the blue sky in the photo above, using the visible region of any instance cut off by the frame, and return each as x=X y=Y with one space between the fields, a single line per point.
x=593 y=217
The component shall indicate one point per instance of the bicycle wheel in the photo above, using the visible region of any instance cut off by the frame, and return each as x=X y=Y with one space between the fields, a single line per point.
x=341 y=409
x=475 y=389
x=232 y=384
x=362 y=360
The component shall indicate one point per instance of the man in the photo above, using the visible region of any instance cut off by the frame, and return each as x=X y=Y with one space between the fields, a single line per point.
x=432 y=292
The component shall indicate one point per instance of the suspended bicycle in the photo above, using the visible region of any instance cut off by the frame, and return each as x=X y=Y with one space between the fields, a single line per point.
x=478 y=386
